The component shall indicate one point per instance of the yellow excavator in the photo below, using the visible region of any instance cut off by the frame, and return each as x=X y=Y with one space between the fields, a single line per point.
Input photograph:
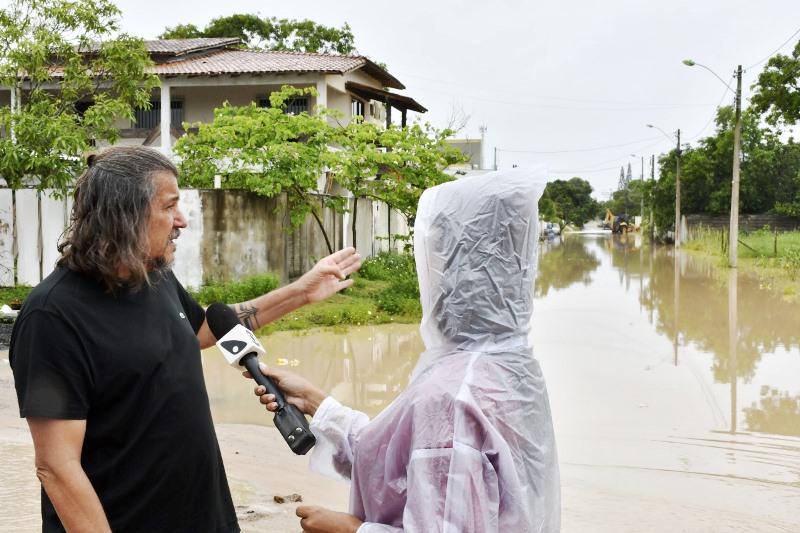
x=617 y=224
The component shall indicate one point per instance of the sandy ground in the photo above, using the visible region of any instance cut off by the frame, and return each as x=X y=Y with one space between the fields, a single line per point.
x=608 y=486
x=260 y=467
x=258 y=463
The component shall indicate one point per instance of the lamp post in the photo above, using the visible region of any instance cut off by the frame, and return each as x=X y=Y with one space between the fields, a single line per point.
x=733 y=232
x=677 y=184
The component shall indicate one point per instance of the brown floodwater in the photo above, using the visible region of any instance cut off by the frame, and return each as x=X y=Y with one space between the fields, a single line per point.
x=674 y=386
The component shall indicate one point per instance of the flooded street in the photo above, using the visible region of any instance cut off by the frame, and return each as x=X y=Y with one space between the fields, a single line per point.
x=661 y=426
x=675 y=390
x=667 y=419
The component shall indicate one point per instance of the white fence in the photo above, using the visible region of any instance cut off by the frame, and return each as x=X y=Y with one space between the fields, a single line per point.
x=230 y=234
x=39 y=219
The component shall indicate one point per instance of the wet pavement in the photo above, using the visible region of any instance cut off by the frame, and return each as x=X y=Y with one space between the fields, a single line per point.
x=674 y=384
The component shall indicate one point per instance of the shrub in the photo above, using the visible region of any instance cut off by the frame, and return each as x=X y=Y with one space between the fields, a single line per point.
x=401 y=297
x=388 y=266
x=790 y=261
x=235 y=291
x=13 y=296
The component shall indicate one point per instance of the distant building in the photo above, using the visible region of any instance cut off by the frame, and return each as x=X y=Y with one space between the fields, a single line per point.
x=474 y=165
x=473 y=149
x=199 y=75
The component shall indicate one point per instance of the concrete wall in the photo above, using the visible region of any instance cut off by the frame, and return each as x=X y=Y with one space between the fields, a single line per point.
x=746 y=222
x=230 y=235
x=235 y=234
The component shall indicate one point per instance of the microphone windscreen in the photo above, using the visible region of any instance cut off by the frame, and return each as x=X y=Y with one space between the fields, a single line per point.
x=221 y=319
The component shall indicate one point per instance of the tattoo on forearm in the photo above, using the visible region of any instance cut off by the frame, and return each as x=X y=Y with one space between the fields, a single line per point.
x=247 y=315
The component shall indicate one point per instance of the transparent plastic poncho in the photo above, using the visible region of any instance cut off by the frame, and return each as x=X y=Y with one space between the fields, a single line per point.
x=469 y=445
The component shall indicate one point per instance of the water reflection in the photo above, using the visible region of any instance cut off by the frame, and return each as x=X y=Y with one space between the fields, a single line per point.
x=718 y=311
x=738 y=337
x=776 y=412
x=733 y=342
x=564 y=262
x=364 y=367
x=673 y=385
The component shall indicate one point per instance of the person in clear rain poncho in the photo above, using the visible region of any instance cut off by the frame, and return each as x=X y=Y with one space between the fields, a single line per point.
x=468 y=446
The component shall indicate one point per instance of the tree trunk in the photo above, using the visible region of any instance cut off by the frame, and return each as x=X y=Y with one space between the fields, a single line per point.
x=309 y=202
x=322 y=229
x=355 y=213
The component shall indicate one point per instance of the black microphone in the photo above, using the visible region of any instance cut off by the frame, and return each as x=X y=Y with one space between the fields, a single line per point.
x=241 y=349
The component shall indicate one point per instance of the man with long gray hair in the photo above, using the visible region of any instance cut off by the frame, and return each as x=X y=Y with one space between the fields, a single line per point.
x=106 y=360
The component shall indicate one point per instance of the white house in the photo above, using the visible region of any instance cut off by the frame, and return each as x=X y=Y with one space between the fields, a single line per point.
x=198 y=75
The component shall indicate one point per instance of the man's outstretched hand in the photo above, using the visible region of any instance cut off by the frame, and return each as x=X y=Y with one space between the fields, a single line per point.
x=329 y=275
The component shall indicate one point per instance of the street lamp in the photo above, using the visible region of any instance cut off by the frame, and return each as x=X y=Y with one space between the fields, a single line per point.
x=677 y=184
x=733 y=232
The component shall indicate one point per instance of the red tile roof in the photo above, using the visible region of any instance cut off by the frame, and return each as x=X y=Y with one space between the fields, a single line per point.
x=215 y=56
x=228 y=61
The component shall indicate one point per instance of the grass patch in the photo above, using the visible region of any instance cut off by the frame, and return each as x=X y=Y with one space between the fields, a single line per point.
x=230 y=292
x=761 y=244
x=775 y=260
x=384 y=290
x=13 y=296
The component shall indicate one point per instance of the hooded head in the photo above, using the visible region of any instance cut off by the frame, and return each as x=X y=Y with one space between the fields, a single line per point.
x=475 y=242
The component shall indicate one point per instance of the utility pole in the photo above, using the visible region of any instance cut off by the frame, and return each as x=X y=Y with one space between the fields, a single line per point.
x=482 y=129
x=652 y=199
x=495 y=157
x=678 y=195
x=733 y=237
x=641 y=195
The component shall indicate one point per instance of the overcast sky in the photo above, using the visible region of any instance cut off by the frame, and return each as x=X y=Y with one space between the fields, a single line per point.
x=575 y=76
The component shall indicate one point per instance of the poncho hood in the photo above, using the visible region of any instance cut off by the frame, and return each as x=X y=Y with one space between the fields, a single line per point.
x=475 y=244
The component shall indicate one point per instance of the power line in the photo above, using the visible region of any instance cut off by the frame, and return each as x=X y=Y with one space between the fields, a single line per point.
x=594 y=149
x=592 y=169
x=776 y=50
x=712 y=116
x=626 y=106
x=584 y=171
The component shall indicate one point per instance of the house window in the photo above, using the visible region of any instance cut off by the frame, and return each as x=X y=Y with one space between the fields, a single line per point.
x=150 y=118
x=82 y=107
x=294 y=106
x=297 y=105
x=356 y=108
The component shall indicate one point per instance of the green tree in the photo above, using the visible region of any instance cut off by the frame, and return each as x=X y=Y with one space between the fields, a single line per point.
x=270 y=152
x=628 y=199
x=413 y=159
x=770 y=172
x=72 y=75
x=548 y=210
x=271 y=33
x=266 y=151
x=358 y=162
x=393 y=165
x=564 y=264
x=777 y=90
x=572 y=199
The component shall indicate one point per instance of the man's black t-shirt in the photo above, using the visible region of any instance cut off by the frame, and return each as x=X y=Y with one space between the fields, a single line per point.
x=129 y=364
